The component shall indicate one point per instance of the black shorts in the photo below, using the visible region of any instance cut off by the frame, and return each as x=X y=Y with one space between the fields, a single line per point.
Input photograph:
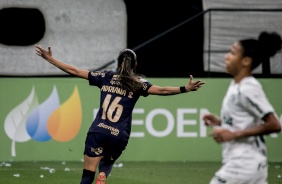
x=97 y=144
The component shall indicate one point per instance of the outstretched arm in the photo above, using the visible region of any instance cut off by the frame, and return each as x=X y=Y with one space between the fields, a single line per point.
x=47 y=55
x=170 y=90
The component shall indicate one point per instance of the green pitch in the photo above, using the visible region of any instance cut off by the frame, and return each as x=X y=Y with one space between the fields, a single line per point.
x=122 y=173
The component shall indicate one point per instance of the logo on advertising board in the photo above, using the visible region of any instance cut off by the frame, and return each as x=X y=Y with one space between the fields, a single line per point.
x=44 y=121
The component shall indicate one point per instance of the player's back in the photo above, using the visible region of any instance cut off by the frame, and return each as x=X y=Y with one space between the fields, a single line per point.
x=116 y=105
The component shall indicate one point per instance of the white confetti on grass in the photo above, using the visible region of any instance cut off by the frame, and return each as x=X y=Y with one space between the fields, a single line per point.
x=118 y=165
x=17 y=175
x=8 y=164
x=67 y=169
x=51 y=170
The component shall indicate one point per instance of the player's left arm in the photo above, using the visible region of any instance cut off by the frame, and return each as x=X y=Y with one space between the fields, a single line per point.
x=271 y=124
x=171 y=90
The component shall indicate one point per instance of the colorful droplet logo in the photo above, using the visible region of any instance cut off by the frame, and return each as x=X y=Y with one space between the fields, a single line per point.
x=45 y=121
x=37 y=120
x=63 y=123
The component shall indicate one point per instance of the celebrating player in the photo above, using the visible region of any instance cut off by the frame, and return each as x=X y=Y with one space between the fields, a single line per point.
x=246 y=114
x=109 y=132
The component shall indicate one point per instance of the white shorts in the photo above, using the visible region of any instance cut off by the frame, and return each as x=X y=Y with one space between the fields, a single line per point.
x=245 y=173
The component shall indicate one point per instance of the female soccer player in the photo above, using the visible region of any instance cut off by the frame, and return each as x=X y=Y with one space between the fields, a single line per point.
x=109 y=132
x=246 y=114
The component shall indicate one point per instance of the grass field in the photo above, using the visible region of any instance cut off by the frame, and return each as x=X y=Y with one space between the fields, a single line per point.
x=123 y=173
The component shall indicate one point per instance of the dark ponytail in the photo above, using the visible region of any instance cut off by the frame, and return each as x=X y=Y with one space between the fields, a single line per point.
x=270 y=43
x=127 y=62
x=260 y=50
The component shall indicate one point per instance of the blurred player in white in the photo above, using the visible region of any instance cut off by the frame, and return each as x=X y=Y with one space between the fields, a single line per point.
x=246 y=114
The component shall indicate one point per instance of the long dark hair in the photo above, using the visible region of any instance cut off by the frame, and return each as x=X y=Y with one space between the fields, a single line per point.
x=127 y=62
x=261 y=49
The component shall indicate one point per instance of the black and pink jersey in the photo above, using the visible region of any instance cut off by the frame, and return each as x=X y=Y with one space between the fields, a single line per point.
x=116 y=104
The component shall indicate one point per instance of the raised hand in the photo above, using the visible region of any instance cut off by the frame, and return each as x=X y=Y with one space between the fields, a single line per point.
x=194 y=85
x=46 y=54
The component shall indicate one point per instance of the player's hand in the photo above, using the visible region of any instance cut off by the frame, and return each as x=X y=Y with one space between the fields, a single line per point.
x=194 y=85
x=211 y=120
x=46 y=54
x=222 y=135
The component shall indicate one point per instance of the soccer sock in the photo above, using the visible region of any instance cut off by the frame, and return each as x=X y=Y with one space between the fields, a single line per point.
x=87 y=177
x=105 y=167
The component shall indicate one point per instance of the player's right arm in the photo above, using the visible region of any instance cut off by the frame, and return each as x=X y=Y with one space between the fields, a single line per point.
x=47 y=55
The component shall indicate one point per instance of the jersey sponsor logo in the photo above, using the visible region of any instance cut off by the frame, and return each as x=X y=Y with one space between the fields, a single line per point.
x=44 y=121
x=98 y=74
x=228 y=120
x=113 y=130
x=145 y=86
x=115 y=80
x=97 y=151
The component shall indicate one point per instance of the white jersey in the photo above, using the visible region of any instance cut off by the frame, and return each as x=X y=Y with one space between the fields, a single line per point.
x=244 y=106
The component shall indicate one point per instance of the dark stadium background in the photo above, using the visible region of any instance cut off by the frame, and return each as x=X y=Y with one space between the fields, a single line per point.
x=179 y=52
